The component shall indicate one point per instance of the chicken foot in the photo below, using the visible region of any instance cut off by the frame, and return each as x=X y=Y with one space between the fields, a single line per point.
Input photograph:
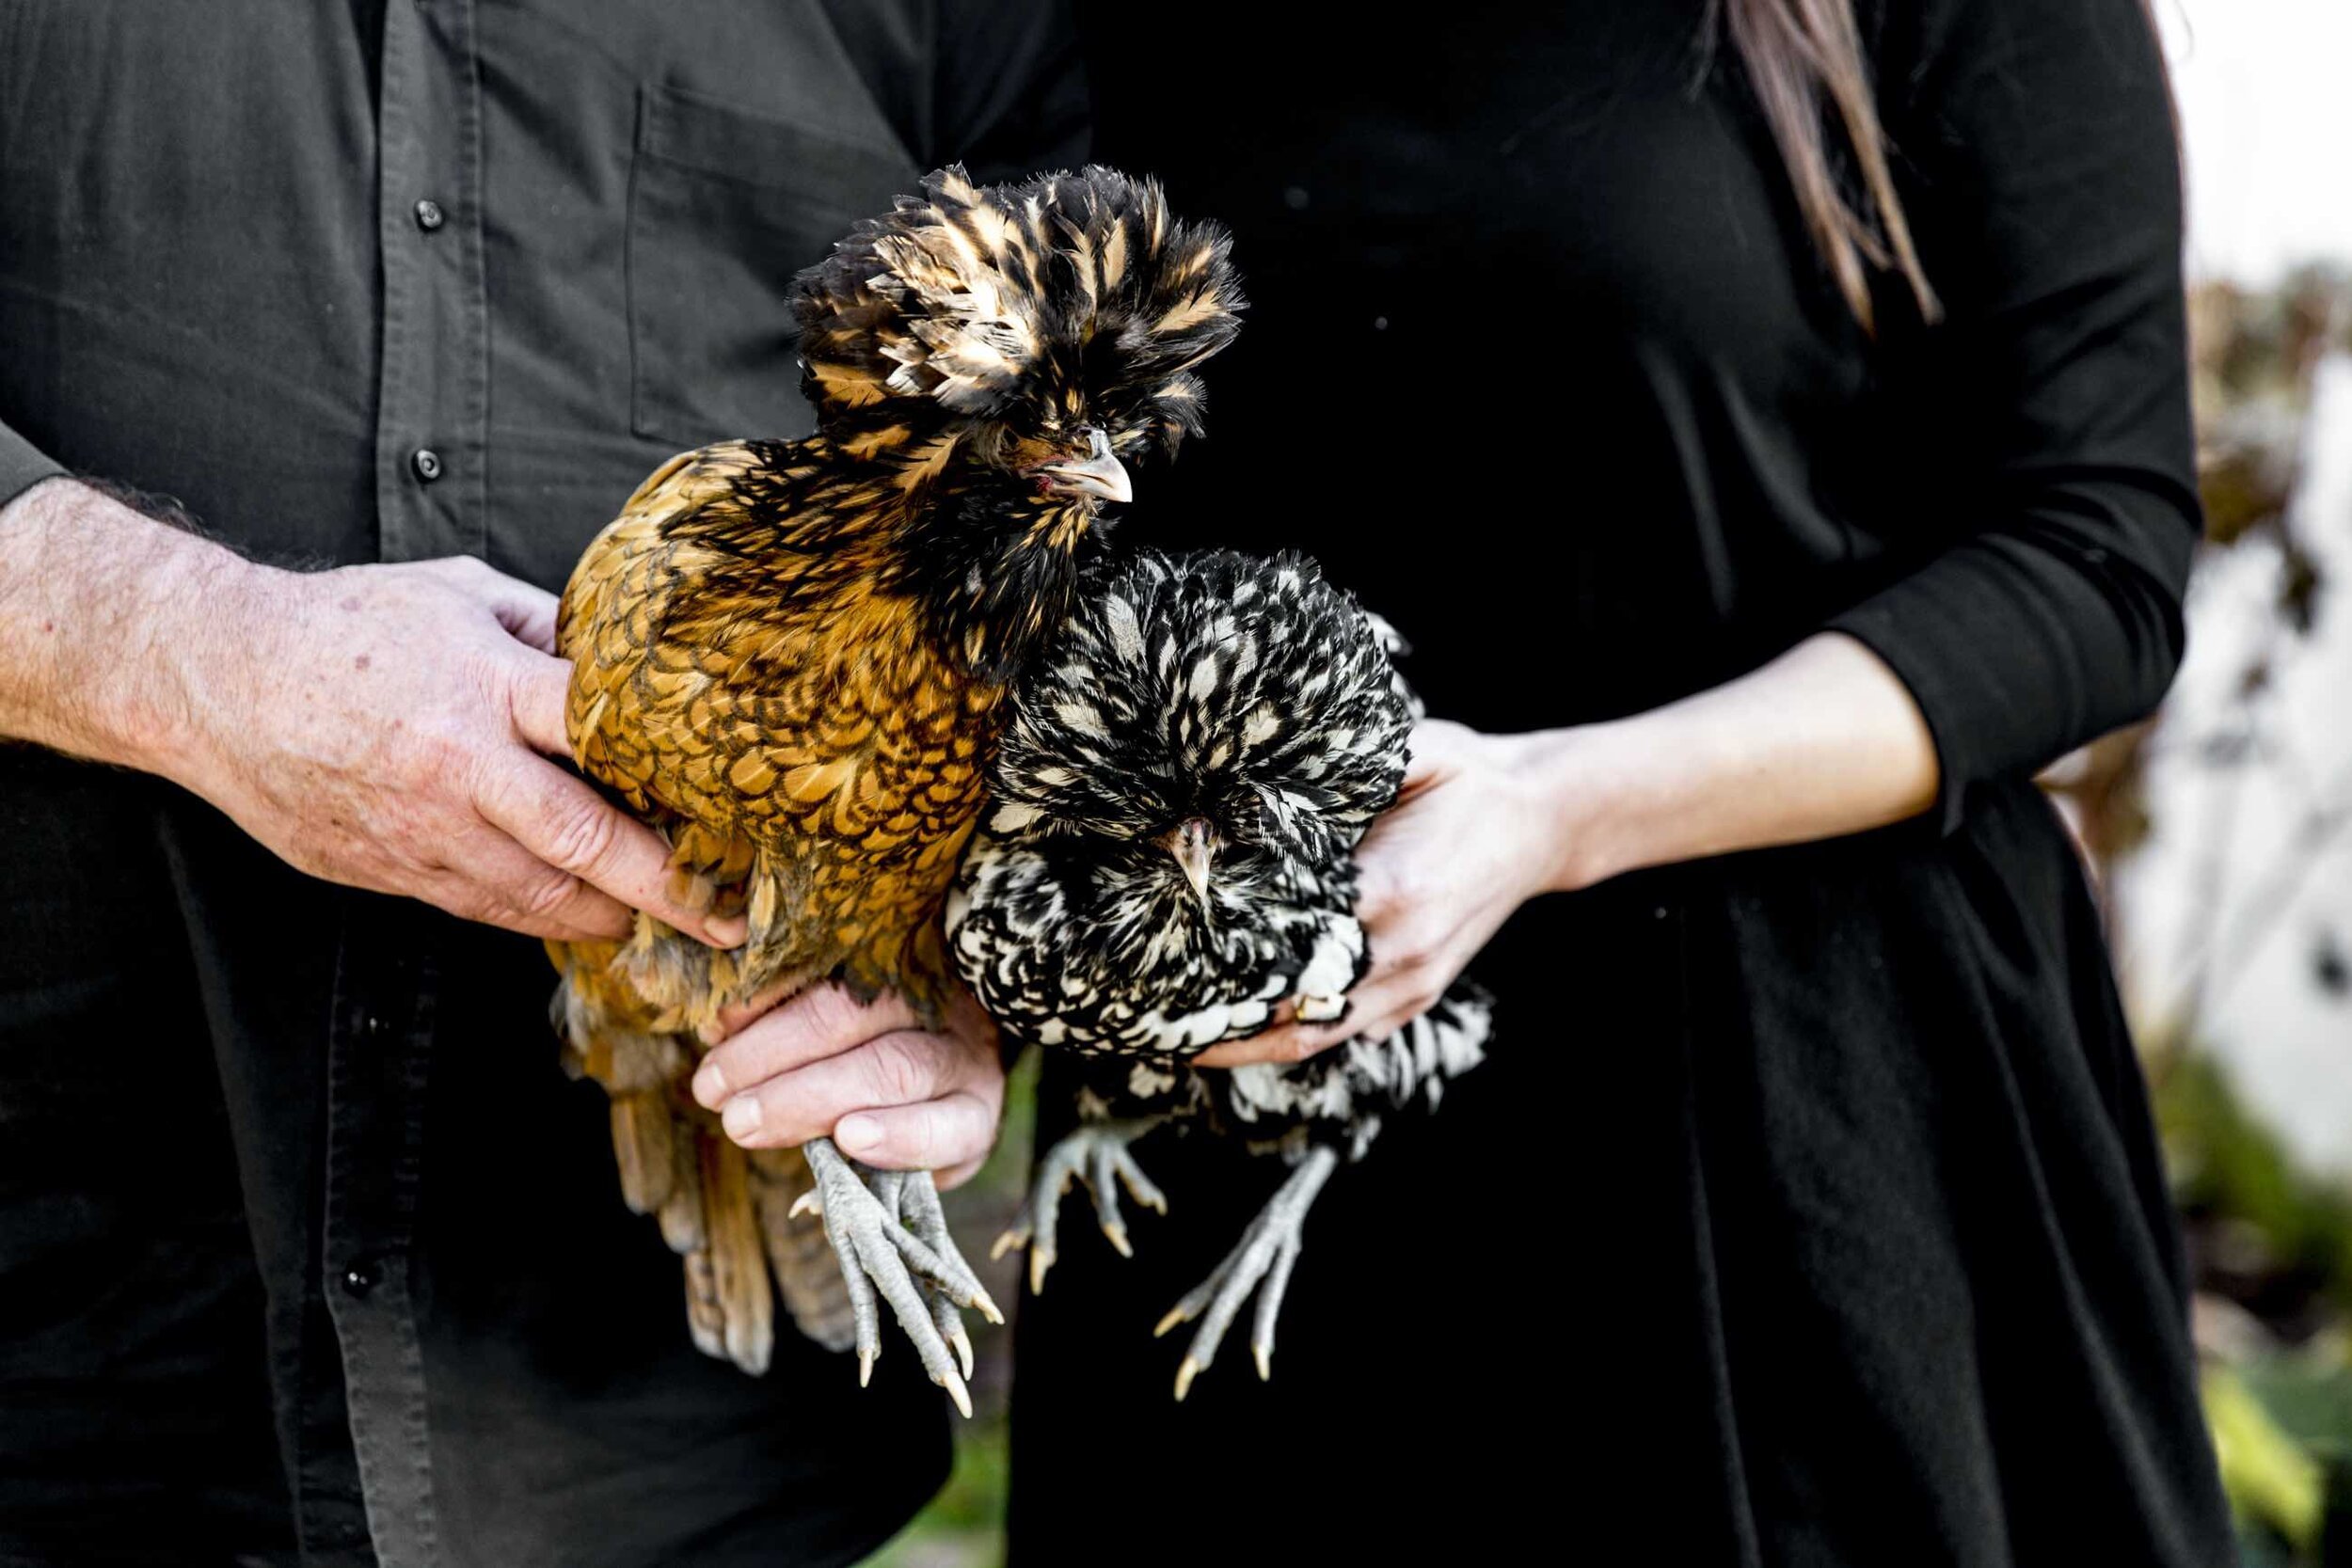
x=1265 y=1253
x=1097 y=1155
x=891 y=1235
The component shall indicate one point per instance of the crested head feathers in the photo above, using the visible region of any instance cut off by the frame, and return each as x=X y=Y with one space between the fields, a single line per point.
x=1182 y=776
x=1252 y=691
x=1062 y=301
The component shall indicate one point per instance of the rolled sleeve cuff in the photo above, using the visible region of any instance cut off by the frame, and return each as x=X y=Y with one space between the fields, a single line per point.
x=21 y=466
x=1911 y=634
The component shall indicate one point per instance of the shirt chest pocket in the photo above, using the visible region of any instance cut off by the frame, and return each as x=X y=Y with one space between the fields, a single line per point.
x=724 y=206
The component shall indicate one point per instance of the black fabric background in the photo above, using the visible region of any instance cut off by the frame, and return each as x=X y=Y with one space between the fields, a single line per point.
x=1808 y=1211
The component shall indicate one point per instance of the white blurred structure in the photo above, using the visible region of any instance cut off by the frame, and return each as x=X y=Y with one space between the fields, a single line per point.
x=2266 y=113
x=2250 y=871
x=2240 y=871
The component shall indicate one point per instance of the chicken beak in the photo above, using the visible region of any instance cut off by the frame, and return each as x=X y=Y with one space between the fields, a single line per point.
x=1099 y=473
x=1193 y=842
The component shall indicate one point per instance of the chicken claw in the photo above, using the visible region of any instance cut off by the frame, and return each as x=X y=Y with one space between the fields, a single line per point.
x=1265 y=1252
x=889 y=1231
x=1097 y=1155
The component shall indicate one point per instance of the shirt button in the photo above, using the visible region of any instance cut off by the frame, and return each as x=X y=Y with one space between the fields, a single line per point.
x=427 y=464
x=429 y=215
x=361 y=1276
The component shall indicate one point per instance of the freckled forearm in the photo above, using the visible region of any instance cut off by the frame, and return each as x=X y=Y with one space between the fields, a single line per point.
x=1822 y=742
x=102 y=610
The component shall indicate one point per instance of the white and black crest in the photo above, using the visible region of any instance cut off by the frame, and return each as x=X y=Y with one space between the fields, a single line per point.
x=1181 y=780
x=1250 y=693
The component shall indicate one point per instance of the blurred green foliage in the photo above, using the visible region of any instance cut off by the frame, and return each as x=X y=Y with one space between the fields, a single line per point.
x=963 y=1526
x=2273 y=1252
x=2275 y=1483
x=2279 y=1241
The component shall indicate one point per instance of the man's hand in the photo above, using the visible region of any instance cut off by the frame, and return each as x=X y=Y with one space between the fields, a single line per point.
x=890 y=1092
x=380 y=726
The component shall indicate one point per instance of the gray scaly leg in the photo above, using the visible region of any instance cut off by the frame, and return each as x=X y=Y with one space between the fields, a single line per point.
x=1265 y=1252
x=891 y=1235
x=1095 y=1154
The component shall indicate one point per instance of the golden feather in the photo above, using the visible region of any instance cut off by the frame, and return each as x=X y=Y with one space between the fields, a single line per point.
x=794 y=761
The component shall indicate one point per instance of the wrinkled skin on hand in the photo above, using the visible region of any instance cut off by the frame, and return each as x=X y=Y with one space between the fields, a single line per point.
x=389 y=727
x=891 y=1092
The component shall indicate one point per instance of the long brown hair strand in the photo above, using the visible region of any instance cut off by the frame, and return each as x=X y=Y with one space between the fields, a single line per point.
x=1803 y=61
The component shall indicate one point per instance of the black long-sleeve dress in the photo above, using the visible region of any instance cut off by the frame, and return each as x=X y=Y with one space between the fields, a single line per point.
x=1807 y=1210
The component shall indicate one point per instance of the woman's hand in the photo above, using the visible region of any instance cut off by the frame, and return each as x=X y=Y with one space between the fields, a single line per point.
x=1823 y=741
x=1474 y=834
x=888 y=1091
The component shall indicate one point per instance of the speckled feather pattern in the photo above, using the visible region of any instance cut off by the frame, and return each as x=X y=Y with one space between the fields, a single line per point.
x=1258 y=696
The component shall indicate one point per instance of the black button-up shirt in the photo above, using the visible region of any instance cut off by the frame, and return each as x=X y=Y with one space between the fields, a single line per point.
x=305 y=1243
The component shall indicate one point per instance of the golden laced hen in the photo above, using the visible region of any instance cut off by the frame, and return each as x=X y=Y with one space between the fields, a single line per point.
x=790 y=657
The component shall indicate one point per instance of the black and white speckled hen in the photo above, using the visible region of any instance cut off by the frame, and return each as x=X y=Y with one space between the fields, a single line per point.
x=1167 y=860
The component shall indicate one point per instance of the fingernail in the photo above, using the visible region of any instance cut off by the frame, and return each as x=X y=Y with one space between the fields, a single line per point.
x=729 y=932
x=857 y=1134
x=710 y=1084
x=742 y=1117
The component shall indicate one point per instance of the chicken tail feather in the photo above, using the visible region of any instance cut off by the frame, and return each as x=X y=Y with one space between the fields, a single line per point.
x=724 y=1209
